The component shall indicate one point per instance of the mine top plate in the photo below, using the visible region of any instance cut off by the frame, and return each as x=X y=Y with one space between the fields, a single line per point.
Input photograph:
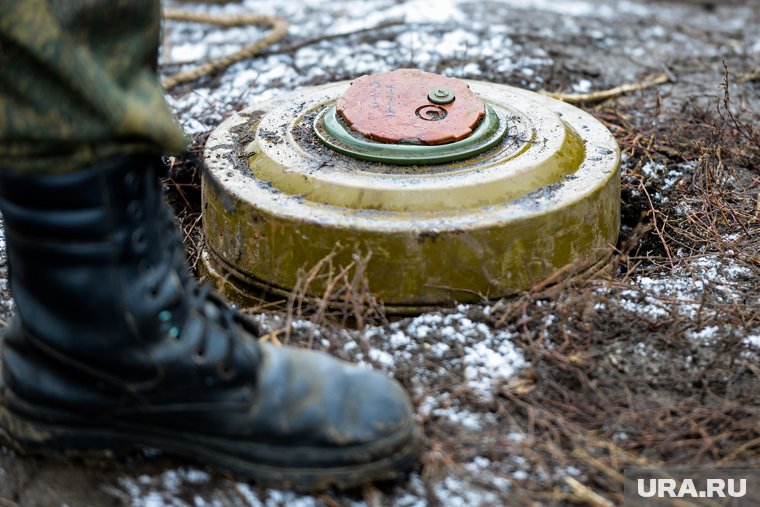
x=411 y=106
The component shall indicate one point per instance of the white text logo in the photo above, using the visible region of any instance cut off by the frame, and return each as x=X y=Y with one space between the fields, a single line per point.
x=670 y=488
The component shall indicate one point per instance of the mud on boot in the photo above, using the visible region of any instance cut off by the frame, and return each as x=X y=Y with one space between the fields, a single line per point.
x=113 y=345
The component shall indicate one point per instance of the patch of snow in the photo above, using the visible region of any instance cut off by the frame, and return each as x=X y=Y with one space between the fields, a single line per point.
x=161 y=490
x=248 y=494
x=459 y=492
x=486 y=365
x=652 y=169
x=755 y=47
x=289 y=499
x=489 y=357
x=383 y=358
x=443 y=407
x=733 y=236
x=706 y=335
x=685 y=288
x=439 y=349
x=582 y=86
x=469 y=420
x=520 y=475
x=675 y=173
x=456 y=43
x=187 y=52
x=580 y=8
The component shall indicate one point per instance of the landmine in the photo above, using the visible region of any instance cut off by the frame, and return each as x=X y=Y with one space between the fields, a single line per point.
x=460 y=190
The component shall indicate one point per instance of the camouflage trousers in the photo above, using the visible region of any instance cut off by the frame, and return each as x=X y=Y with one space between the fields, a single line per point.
x=78 y=83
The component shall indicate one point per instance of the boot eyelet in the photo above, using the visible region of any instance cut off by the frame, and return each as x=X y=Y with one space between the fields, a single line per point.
x=139 y=239
x=130 y=179
x=225 y=371
x=134 y=210
x=199 y=357
x=174 y=333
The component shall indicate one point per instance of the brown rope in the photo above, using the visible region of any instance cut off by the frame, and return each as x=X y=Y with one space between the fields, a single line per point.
x=279 y=29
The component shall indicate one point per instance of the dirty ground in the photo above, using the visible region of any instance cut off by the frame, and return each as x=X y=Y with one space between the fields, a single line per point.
x=546 y=397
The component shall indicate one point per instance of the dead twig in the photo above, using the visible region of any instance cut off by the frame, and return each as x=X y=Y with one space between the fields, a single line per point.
x=748 y=77
x=586 y=494
x=578 y=98
x=660 y=231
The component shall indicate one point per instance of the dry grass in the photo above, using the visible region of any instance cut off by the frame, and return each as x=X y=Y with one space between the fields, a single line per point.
x=581 y=401
x=345 y=300
x=584 y=402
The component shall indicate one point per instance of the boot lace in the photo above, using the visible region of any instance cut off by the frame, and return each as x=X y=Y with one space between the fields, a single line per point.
x=216 y=310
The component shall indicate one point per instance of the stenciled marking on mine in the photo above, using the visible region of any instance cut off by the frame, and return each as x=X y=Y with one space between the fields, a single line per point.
x=391 y=88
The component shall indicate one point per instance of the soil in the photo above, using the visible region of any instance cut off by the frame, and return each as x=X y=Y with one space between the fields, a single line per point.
x=544 y=398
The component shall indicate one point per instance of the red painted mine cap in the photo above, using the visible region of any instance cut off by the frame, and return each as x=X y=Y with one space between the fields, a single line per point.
x=411 y=105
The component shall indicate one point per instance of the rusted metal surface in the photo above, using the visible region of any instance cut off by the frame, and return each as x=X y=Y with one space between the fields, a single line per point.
x=395 y=106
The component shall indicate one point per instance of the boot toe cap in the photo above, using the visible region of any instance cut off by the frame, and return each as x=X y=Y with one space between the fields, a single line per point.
x=317 y=399
x=375 y=406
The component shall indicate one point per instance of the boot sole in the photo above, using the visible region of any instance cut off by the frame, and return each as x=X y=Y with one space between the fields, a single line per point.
x=44 y=439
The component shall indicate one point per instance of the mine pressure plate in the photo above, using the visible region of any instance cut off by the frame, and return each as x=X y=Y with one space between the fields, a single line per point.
x=448 y=190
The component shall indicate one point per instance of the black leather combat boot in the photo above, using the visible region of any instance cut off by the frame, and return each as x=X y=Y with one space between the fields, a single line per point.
x=113 y=346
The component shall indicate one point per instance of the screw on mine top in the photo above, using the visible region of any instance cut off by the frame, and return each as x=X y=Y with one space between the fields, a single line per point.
x=441 y=96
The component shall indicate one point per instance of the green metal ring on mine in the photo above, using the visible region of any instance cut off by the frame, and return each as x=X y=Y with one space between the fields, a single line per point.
x=333 y=132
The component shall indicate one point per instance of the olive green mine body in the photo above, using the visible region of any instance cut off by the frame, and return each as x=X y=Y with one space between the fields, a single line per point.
x=281 y=202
